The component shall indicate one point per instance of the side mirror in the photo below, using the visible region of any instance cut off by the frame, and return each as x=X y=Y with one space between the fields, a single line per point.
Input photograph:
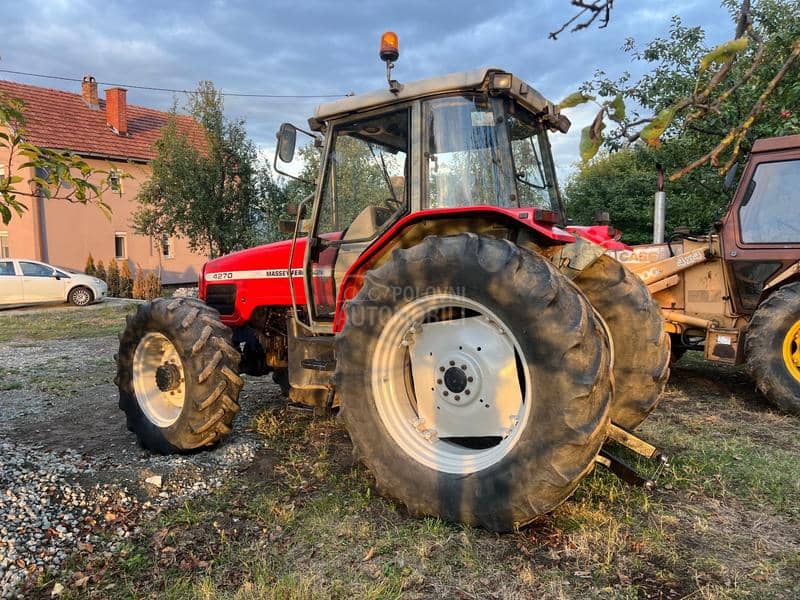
x=730 y=178
x=287 y=138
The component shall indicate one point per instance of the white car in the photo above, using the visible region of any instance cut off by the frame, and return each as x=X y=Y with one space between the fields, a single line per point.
x=34 y=282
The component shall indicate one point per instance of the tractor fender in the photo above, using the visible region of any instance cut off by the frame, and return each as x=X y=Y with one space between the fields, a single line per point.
x=520 y=225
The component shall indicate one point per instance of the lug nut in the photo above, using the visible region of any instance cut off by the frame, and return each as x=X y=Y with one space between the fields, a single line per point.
x=457 y=397
x=463 y=367
x=446 y=393
x=467 y=392
x=452 y=363
x=439 y=381
x=470 y=379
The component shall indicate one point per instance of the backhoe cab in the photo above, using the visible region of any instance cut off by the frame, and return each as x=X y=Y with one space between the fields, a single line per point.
x=432 y=294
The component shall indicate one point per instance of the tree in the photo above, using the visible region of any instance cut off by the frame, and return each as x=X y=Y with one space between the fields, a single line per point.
x=697 y=197
x=125 y=280
x=90 y=269
x=100 y=272
x=113 y=279
x=212 y=193
x=56 y=174
x=623 y=183
x=723 y=93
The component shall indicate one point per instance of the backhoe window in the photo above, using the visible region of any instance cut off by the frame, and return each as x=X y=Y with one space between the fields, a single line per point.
x=366 y=175
x=466 y=154
x=770 y=211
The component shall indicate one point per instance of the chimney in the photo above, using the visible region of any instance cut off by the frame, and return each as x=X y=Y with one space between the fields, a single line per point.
x=89 y=92
x=117 y=110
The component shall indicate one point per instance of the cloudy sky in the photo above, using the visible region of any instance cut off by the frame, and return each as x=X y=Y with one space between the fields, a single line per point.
x=324 y=47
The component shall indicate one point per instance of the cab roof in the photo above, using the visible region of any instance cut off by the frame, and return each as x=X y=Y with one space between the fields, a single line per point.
x=476 y=79
x=785 y=142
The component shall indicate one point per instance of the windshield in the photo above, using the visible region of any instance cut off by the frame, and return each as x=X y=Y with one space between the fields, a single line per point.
x=478 y=153
x=769 y=212
x=464 y=162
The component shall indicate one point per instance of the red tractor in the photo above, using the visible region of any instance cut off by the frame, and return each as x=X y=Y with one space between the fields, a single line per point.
x=476 y=349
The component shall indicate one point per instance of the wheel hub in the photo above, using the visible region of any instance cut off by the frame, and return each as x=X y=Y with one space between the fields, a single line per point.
x=158 y=379
x=791 y=350
x=438 y=382
x=168 y=377
x=455 y=378
x=475 y=389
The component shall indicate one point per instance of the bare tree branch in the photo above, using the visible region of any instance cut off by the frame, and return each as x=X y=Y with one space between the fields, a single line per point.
x=598 y=9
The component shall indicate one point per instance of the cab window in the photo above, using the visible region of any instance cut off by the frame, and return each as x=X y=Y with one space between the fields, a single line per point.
x=365 y=182
x=528 y=140
x=770 y=210
x=31 y=269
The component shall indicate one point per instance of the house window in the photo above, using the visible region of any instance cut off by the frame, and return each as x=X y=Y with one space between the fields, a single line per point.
x=115 y=181
x=166 y=246
x=5 y=252
x=120 y=245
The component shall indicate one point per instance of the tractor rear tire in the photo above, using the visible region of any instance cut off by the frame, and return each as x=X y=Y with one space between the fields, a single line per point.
x=641 y=347
x=177 y=375
x=772 y=348
x=562 y=363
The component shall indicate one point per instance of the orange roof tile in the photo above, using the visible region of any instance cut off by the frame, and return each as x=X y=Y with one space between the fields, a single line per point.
x=63 y=121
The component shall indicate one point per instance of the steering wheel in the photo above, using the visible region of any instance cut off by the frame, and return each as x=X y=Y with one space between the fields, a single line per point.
x=394 y=204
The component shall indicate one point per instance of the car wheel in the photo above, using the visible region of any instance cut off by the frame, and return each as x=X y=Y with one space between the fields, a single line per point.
x=81 y=296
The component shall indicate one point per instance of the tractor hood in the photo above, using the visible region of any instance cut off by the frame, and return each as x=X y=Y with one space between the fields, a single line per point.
x=253 y=277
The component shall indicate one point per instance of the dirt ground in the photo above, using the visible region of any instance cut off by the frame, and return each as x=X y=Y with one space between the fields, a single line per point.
x=279 y=510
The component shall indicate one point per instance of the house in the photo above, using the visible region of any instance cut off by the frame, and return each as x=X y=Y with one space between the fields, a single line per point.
x=111 y=135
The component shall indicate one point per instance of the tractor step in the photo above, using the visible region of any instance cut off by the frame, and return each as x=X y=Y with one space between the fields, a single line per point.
x=622 y=469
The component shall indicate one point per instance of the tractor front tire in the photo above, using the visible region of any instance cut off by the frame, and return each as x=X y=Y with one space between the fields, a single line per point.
x=177 y=375
x=772 y=348
x=641 y=347
x=428 y=320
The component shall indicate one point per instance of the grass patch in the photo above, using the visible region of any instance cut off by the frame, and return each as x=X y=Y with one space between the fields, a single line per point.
x=73 y=323
x=303 y=522
x=306 y=523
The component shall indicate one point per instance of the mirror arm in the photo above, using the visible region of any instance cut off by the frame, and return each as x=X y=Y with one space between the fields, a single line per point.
x=277 y=170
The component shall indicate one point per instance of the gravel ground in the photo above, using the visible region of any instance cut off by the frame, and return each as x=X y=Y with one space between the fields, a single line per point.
x=72 y=476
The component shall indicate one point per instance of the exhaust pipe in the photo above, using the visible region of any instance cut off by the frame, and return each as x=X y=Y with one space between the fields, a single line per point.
x=660 y=209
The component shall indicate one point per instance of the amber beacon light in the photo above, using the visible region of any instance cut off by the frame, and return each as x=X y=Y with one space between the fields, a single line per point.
x=390 y=47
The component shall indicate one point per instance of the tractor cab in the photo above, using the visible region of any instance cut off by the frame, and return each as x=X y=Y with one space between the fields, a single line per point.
x=466 y=140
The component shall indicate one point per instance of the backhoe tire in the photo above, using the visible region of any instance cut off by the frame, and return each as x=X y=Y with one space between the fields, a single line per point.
x=177 y=375
x=772 y=348
x=562 y=367
x=641 y=347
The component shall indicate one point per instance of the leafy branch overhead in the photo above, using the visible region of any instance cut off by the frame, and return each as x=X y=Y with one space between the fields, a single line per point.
x=52 y=174
x=720 y=77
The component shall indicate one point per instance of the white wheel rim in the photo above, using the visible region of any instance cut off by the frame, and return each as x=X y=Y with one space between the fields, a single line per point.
x=161 y=406
x=81 y=297
x=408 y=340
